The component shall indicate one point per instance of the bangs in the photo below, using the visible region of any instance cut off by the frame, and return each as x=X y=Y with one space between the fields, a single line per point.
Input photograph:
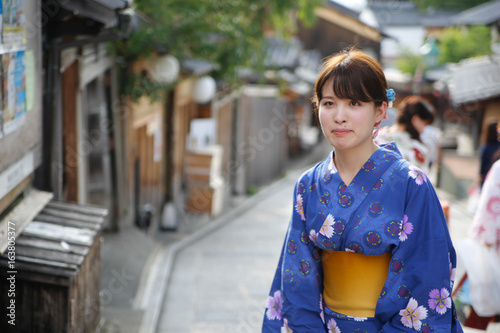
x=350 y=82
x=352 y=78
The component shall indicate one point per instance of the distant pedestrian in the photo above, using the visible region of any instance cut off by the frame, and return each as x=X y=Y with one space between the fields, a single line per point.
x=490 y=145
x=480 y=255
x=414 y=115
x=367 y=248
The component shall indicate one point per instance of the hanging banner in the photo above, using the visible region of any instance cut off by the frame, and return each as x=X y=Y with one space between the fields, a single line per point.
x=14 y=91
x=13 y=17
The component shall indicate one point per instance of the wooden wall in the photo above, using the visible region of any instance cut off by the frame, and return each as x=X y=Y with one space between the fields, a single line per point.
x=222 y=111
x=262 y=145
x=185 y=110
x=147 y=125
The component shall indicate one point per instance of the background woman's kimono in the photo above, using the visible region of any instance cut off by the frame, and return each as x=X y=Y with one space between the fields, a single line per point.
x=389 y=206
x=480 y=253
x=486 y=223
x=412 y=150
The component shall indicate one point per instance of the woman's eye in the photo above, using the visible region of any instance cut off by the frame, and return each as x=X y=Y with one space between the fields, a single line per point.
x=355 y=103
x=327 y=103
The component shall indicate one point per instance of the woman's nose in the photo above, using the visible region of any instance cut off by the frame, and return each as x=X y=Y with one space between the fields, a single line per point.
x=340 y=116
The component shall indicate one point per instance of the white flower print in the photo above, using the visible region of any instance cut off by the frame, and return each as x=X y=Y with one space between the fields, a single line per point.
x=322 y=313
x=313 y=236
x=332 y=326
x=327 y=228
x=300 y=208
x=285 y=328
x=413 y=314
x=360 y=318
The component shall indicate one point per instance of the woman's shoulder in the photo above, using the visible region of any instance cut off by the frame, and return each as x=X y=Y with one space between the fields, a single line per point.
x=410 y=173
x=317 y=171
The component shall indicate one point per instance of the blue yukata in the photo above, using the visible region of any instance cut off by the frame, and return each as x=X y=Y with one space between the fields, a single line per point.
x=390 y=206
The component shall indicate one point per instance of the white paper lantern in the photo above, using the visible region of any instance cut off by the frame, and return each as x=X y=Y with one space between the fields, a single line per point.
x=204 y=89
x=165 y=69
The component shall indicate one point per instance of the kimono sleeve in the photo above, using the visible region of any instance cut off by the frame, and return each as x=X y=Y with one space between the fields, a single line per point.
x=294 y=303
x=417 y=292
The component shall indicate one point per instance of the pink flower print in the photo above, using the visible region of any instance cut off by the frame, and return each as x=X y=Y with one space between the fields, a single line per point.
x=332 y=326
x=313 y=235
x=440 y=300
x=413 y=314
x=493 y=206
x=274 y=306
x=285 y=328
x=406 y=229
x=417 y=174
x=327 y=228
x=300 y=208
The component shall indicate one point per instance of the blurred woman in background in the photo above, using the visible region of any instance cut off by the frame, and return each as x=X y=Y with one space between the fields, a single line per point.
x=414 y=114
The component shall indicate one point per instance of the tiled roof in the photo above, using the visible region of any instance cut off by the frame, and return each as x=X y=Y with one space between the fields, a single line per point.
x=390 y=13
x=405 y=13
x=342 y=9
x=475 y=79
x=486 y=13
x=438 y=18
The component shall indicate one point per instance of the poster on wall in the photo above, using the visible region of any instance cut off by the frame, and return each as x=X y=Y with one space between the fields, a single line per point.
x=14 y=91
x=12 y=23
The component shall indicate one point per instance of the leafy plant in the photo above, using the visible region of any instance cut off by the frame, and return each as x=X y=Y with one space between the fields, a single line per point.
x=456 y=44
x=229 y=33
x=408 y=62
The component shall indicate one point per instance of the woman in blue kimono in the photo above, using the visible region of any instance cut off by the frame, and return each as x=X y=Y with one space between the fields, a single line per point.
x=367 y=249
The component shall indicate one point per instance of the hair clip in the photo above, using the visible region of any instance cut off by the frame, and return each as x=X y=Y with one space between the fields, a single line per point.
x=391 y=96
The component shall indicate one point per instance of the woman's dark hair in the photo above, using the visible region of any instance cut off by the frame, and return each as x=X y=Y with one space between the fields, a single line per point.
x=413 y=106
x=356 y=76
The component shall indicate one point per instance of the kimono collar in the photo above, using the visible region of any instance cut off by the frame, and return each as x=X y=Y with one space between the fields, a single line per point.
x=373 y=168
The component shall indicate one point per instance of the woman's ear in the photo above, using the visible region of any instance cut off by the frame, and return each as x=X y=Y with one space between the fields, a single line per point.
x=381 y=112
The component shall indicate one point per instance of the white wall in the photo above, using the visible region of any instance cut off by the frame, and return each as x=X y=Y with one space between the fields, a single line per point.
x=410 y=38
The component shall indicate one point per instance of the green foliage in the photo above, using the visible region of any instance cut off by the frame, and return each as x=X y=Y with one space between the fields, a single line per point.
x=456 y=44
x=408 y=62
x=252 y=190
x=229 y=33
x=448 y=4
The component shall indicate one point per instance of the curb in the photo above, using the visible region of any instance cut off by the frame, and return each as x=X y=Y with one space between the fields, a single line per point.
x=162 y=260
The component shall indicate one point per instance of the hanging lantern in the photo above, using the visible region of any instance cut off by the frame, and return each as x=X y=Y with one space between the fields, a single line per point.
x=165 y=69
x=204 y=90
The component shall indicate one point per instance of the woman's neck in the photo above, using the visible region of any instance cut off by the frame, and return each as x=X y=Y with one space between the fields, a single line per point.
x=348 y=163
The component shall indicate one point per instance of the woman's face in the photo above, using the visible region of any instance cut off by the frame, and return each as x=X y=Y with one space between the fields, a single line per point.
x=419 y=124
x=348 y=124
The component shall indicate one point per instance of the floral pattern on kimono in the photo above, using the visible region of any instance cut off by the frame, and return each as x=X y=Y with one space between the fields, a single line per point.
x=389 y=206
x=486 y=222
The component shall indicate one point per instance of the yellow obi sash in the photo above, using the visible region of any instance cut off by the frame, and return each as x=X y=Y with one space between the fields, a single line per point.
x=353 y=282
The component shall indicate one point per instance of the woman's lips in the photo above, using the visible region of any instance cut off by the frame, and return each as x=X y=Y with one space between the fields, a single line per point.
x=341 y=131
